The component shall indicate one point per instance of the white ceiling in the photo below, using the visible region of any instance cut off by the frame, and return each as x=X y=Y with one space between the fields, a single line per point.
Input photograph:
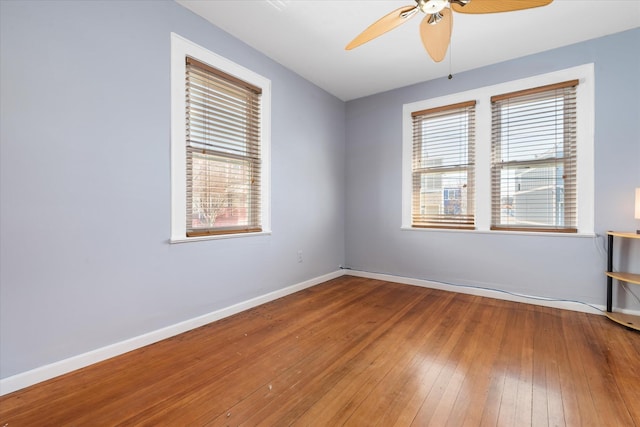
x=308 y=37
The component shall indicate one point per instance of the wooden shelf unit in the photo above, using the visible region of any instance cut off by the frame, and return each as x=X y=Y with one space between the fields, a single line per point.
x=628 y=320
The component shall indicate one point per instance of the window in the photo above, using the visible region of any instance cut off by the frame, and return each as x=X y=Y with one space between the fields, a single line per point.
x=219 y=146
x=522 y=162
x=223 y=152
x=533 y=167
x=443 y=166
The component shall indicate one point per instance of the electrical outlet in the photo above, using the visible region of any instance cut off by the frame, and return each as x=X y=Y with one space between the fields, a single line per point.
x=299 y=256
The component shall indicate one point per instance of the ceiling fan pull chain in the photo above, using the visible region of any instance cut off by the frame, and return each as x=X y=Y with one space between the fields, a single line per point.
x=450 y=76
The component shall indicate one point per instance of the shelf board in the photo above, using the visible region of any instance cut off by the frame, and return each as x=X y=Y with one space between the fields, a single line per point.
x=626 y=234
x=628 y=320
x=625 y=277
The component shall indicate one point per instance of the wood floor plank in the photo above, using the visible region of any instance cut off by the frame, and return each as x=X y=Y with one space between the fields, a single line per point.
x=515 y=379
x=373 y=395
x=437 y=370
x=258 y=369
x=498 y=372
x=437 y=410
x=360 y=352
x=547 y=360
x=604 y=392
x=468 y=406
x=375 y=362
x=524 y=386
x=408 y=382
x=620 y=352
x=586 y=413
x=345 y=362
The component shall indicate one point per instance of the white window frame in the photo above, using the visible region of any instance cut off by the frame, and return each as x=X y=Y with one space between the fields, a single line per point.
x=585 y=94
x=180 y=49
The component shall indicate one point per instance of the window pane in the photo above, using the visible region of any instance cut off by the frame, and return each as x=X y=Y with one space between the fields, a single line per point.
x=533 y=159
x=223 y=152
x=532 y=196
x=443 y=194
x=221 y=193
x=535 y=130
x=443 y=153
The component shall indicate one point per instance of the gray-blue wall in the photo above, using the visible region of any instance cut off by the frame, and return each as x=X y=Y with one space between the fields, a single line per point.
x=85 y=181
x=557 y=267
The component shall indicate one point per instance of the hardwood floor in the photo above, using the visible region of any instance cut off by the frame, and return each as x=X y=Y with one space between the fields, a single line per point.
x=357 y=351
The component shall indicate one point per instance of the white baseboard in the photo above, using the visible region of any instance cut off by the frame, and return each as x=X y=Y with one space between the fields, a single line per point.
x=26 y=379
x=489 y=293
x=43 y=373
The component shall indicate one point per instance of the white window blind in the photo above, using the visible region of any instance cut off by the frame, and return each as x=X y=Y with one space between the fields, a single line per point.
x=222 y=151
x=533 y=171
x=443 y=167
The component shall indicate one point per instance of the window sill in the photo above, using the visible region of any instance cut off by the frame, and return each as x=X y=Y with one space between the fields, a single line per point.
x=500 y=232
x=218 y=237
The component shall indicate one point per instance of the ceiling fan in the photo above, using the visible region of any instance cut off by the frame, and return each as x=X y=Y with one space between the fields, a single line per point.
x=435 y=28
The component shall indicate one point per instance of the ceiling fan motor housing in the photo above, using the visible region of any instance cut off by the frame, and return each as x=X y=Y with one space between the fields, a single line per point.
x=432 y=7
x=435 y=6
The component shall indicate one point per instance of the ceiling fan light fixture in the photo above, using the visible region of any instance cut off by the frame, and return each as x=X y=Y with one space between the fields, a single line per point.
x=432 y=6
x=434 y=18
